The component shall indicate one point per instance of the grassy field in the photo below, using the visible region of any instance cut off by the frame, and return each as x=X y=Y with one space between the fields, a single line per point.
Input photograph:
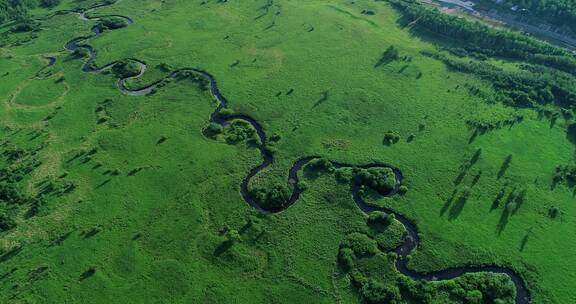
x=154 y=198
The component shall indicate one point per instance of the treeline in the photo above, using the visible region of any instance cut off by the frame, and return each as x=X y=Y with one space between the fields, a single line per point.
x=557 y=12
x=478 y=38
x=17 y=10
x=529 y=87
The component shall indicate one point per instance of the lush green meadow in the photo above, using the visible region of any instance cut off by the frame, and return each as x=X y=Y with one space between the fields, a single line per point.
x=154 y=200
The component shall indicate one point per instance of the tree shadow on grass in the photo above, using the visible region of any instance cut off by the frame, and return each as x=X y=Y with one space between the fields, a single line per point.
x=10 y=254
x=448 y=203
x=225 y=246
x=503 y=222
x=505 y=166
x=497 y=200
x=88 y=273
x=460 y=177
x=321 y=100
x=102 y=184
x=473 y=137
x=457 y=208
x=387 y=57
x=476 y=179
x=524 y=241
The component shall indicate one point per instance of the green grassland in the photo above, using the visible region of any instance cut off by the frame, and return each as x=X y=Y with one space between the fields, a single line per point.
x=154 y=198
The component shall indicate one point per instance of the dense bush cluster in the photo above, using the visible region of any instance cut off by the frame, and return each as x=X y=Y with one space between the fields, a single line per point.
x=80 y=52
x=213 y=129
x=319 y=165
x=380 y=219
x=126 y=68
x=25 y=26
x=200 y=80
x=381 y=179
x=477 y=288
x=111 y=23
x=360 y=244
x=238 y=131
x=272 y=198
x=376 y=292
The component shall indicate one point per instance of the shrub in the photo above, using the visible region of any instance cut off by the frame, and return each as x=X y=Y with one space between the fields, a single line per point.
x=49 y=3
x=195 y=77
x=10 y=194
x=553 y=212
x=164 y=67
x=565 y=173
x=474 y=297
x=493 y=288
x=403 y=190
x=376 y=292
x=361 y=244
x=226 y=112
x=391 y=138
x=6 y=222
x=126 y=68
x=272 y=199
x=380 y=219
x=381 y=179
x=302 y=185
x=320 y=165
x=80 y=52
x=346 y=258
x=232 y=236
x=112 y=23
x=571 y=132
x=343 y=175
x=275 y=137
x=511 y=207
x=239 y=130
x=213 y=129
x=26 y=26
